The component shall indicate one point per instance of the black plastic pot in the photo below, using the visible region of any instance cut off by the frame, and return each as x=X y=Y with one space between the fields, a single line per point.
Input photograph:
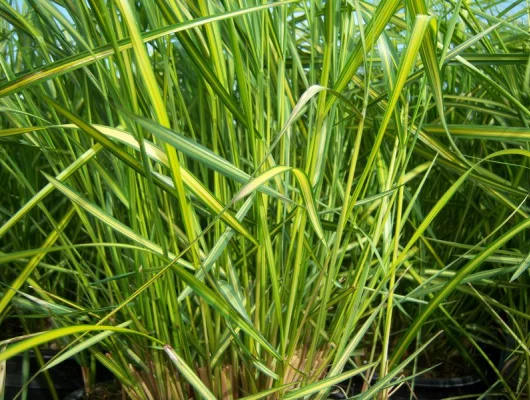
x=65 y=376
x=424 y=388
x=431 y=388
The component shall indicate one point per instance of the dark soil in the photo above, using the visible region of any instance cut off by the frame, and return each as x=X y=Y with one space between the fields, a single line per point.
x=101 y=391
x=10 y=328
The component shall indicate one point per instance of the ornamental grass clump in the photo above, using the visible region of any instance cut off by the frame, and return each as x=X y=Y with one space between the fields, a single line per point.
x=239 y=199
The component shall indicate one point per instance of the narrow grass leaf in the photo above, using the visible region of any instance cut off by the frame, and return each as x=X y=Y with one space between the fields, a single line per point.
x=305 y=188
x=326 y=383
x=85 y=344
x=35 y=260
x=54 y=334
x=525 y=264
x=111 y=221
x=188 y=374
x=450 y=286
x=387 y=380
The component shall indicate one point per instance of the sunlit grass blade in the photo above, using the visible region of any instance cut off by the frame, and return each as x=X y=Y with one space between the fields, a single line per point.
x=109 y=220
x=54 y=334
x=188 y=374
x=82 y=60
x=85 y=344
x=46 y=190
x=326 y=383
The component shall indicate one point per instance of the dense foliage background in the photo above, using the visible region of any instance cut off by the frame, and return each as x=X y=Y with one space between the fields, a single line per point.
x=229 y=198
